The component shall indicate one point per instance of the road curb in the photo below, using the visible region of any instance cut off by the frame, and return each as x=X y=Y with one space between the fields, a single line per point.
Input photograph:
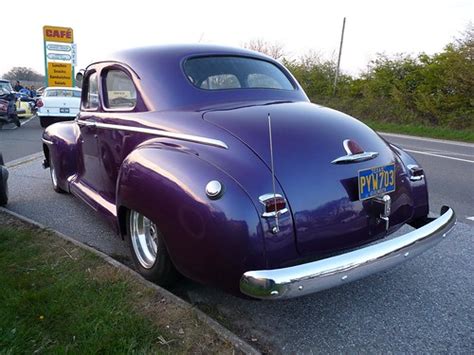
x=23 y=160
x=225 y=333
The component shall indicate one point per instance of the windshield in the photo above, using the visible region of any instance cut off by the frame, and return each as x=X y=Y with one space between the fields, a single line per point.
x=228 y=72
x=63 y=93
x=6 y=85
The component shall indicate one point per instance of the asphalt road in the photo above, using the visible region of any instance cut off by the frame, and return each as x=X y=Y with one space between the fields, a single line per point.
x=16 y=143
x=449 y=169
x=425 y=305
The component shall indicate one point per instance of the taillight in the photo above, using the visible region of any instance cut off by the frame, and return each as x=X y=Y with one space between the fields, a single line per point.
x=39 y=103
x=273 y=204
x=416 y=172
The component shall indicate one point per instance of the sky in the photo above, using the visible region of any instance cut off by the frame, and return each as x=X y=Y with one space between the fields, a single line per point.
x=101 y=26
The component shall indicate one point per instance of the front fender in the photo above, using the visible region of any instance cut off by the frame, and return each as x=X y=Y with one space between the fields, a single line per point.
x=209 y=241
x=60 y=147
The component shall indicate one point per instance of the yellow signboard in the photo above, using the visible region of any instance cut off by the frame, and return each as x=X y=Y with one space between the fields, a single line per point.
x=59 y=74
x=58 y=34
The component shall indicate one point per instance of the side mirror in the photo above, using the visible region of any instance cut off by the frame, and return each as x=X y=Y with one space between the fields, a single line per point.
x=79 y=77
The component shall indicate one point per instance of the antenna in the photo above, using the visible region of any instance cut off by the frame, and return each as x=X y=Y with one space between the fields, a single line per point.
x=339 y=57
x=276 y=229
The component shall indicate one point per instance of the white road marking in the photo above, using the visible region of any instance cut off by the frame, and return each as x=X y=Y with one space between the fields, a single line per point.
x=470 y=218
x=462 y=144
x=28 y=120
x=439 y=155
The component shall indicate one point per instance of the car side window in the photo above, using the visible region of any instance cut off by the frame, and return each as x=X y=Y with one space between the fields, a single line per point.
x=120 y=90
x=92 y=98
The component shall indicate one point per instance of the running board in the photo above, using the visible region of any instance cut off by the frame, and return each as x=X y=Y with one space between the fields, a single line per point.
x=91 y=197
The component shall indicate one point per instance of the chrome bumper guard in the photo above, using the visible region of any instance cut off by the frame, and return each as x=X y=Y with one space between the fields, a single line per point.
x=319 y=275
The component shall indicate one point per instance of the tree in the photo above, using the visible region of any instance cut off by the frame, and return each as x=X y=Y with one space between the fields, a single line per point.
x=23 y=74
x=274 y=50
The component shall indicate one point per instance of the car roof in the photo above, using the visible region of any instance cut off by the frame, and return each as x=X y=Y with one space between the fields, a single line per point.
x=164 y=83
x=185 y=50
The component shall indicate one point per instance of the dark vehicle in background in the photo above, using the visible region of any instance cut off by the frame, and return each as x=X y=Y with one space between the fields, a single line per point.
x=212 y=163
x=3 y=183
x=8 y=109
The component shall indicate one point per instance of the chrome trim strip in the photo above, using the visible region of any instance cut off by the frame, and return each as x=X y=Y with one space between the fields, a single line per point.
x=46 y=141
x=334 y=271
x=266 y=197
x=158 y=132
x=354 y=158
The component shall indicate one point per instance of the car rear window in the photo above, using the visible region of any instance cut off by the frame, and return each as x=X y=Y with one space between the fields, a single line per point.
x=63 y=93
x=231 y=72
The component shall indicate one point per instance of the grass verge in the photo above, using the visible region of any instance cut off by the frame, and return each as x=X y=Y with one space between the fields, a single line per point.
x=57 y=297
x=422 y=130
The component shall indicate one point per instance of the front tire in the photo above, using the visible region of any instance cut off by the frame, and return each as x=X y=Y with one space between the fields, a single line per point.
x=148 y=250
x=54 y=178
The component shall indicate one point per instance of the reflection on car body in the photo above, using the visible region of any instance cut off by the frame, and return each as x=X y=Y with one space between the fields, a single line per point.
x=212 y=163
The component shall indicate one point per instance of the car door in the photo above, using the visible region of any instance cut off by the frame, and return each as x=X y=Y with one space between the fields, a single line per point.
x=90 y=169
x=119 y=101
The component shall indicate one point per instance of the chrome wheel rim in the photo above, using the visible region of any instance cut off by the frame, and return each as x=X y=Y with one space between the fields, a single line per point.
x=54 y=179
x=144 y=235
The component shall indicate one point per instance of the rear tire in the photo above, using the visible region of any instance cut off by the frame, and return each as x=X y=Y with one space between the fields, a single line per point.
x=148 y=250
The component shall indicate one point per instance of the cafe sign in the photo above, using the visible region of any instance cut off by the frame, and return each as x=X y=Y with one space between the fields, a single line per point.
x=59 y=55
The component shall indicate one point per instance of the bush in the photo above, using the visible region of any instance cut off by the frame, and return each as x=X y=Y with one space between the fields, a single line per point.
x=435 y=90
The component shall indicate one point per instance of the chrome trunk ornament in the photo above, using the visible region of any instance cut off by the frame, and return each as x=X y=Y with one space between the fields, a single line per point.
x=354 y=153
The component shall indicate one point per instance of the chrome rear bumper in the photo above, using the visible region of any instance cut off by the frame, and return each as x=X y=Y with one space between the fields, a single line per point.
x=319 y=275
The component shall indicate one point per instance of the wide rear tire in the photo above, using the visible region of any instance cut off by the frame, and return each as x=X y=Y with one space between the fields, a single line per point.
x=148 y=250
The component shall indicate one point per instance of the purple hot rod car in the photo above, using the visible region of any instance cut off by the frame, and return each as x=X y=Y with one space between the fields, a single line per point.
x=213 y=164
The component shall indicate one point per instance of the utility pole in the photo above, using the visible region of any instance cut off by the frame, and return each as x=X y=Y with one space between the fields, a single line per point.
x=339 y=57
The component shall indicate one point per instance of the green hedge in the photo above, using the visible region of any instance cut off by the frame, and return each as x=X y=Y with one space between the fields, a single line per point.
x=432 y=90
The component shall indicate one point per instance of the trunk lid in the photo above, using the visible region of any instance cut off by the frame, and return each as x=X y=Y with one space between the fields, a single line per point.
x=61 y=102
x=322 y=196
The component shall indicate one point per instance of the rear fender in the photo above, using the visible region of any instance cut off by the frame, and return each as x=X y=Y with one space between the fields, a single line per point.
x=419 y=188
x=212 y=241
x=60 y=147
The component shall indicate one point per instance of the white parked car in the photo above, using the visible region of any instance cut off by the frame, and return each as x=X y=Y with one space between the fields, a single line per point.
x=58 y=104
